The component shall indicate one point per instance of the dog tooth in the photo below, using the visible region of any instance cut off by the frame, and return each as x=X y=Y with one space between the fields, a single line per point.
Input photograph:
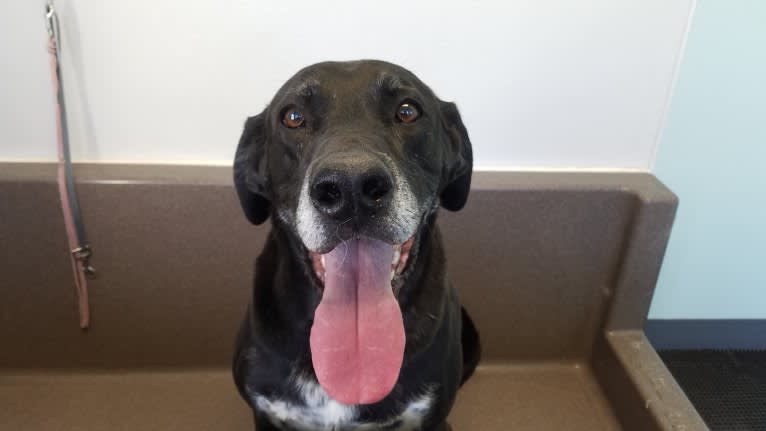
x=397 y=254
x=393 y=272
x=321 y=259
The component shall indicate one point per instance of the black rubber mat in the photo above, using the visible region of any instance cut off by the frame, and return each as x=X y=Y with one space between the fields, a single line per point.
x=727 y=387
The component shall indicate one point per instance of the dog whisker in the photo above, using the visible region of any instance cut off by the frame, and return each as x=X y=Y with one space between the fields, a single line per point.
x=342 y=240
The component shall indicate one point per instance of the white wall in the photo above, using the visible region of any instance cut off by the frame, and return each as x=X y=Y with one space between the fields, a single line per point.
x=26 y=98
x=541 y=83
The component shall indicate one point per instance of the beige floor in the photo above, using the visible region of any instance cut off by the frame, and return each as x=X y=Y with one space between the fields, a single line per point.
x=498 y=398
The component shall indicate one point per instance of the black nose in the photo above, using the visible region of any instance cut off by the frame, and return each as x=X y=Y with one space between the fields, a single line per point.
x=343 y=192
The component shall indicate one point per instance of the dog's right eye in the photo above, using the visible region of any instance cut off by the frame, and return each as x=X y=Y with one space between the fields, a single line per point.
x=407 y=112
x=293 y=118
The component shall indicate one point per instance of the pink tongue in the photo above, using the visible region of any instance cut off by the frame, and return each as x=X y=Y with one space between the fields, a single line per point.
x=357 y=340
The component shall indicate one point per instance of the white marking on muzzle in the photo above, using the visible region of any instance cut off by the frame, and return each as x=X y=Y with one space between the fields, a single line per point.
x=404 y=214
x=308 y=220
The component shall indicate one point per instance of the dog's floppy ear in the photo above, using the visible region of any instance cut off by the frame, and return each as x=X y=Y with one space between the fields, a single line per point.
x=458 y=162
x=250 y=177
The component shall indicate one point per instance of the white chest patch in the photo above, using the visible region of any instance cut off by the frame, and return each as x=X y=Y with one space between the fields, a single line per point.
x=319 y=412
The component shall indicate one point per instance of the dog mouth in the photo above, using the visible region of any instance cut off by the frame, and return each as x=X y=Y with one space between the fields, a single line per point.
x=357 y=335
x=398 y=262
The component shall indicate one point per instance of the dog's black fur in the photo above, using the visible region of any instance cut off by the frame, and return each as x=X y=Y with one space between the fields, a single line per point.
x=350 y=107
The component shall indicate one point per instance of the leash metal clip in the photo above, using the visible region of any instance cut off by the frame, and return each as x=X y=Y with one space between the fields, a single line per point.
x=83 y=254
x=49 y=14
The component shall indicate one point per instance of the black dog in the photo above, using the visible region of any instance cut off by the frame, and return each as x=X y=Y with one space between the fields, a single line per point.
x=353 y=324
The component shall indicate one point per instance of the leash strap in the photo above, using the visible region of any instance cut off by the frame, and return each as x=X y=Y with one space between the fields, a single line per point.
x=80 y=251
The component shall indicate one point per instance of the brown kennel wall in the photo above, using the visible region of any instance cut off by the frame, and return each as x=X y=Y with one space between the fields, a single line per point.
x=557 y=270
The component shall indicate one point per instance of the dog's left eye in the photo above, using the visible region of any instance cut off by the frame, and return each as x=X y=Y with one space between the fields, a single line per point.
x=407 y=112
x=293 y=119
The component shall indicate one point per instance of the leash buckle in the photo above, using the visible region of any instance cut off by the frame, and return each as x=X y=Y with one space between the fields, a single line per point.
x=83 y=255
x=50 y=13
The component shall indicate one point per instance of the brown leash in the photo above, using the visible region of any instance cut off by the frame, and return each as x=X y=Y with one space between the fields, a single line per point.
x=80 y=251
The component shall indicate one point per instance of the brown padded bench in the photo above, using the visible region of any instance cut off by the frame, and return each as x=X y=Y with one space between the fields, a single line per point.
x=557 y=270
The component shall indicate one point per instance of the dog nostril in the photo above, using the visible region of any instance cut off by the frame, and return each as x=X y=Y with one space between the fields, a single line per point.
x=328 y=193
x=375 y=188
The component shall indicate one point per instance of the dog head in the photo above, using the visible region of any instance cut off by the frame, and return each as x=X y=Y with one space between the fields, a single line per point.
x=352 y=159
x=353 y=148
